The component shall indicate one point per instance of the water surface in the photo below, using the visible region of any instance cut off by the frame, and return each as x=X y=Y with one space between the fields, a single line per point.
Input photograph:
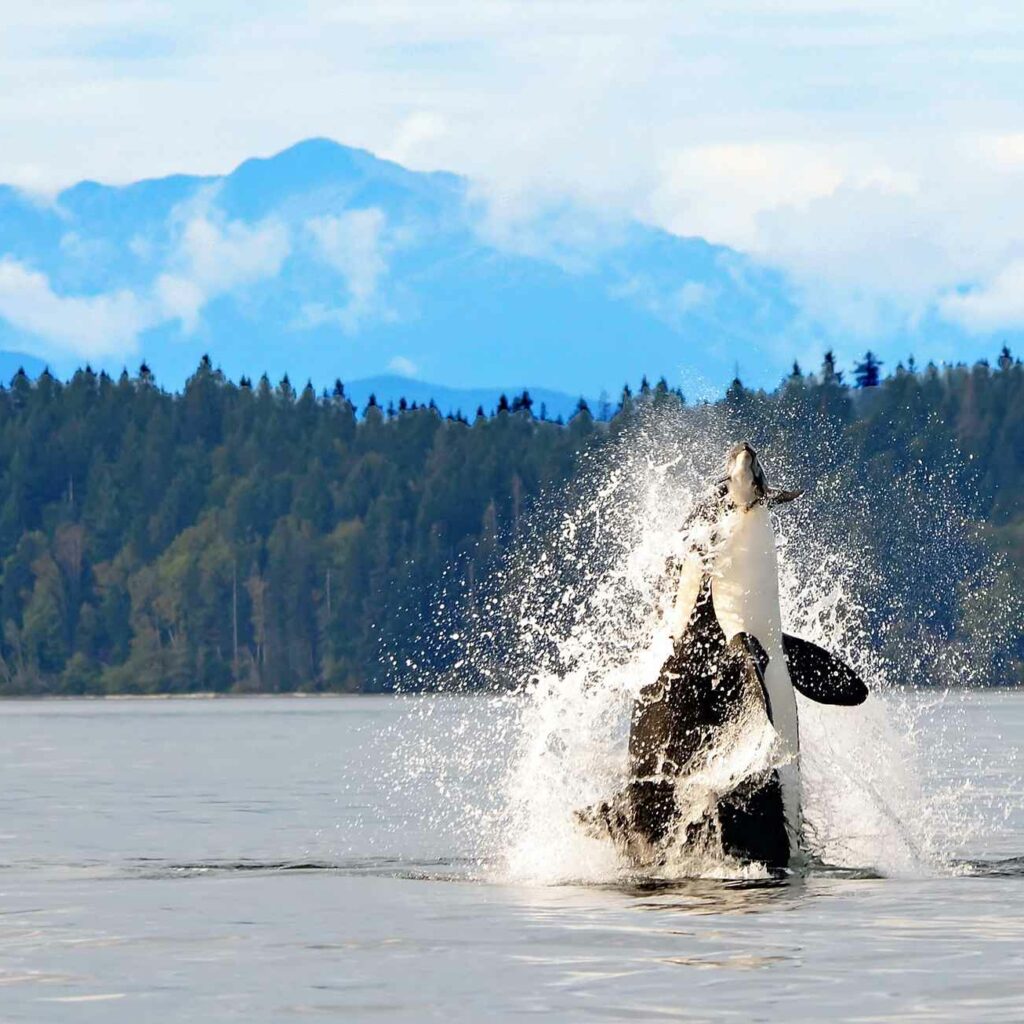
x=253 y=860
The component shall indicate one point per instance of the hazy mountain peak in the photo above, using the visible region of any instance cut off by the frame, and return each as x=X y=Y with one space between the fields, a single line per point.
x=326 y=261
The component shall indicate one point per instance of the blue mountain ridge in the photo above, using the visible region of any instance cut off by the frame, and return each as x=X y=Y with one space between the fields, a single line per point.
x=391 y=389
x=324 y=261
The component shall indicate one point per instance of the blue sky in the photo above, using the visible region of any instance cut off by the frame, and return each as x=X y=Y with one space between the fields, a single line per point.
x=874 y=152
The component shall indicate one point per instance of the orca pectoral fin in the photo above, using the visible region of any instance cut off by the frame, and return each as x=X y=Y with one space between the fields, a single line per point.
x=748 y=651
x=777 y=497
x=820 y=675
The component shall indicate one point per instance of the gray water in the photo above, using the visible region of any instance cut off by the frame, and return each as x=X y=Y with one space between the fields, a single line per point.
x=254 y=860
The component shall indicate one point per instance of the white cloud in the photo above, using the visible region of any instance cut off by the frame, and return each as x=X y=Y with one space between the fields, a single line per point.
x=213 y=257
x=874 y=150
x=83 y=250
x=85 y=326
x=993 y=306
x=403 y=366
x=180 y=298
x=209 y=258
x=670 y=304
x=1003 y=150
x=545 y=226
x=414 y=136
x=692 y=295
x=354 y=244
x=219 y=257
x=717 y=191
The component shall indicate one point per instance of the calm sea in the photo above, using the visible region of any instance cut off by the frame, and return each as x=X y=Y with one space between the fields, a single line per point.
x=263 y=860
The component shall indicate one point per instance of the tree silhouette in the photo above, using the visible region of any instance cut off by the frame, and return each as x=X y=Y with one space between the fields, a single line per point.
x=867 y=373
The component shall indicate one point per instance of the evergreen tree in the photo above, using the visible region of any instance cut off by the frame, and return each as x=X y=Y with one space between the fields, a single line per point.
x=867 y=373
x=231 y=537
x=831 y=394
x=523 y=403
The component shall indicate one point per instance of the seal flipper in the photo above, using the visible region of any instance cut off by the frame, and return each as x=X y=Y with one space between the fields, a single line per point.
x=820 y=675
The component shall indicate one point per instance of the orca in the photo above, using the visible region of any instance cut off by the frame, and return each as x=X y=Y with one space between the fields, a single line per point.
x=731 y=667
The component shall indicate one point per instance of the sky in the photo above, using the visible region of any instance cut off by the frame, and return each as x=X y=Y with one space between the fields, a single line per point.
x=872 y=151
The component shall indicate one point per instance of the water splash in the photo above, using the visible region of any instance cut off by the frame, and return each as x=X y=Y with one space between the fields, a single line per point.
x=573 y=625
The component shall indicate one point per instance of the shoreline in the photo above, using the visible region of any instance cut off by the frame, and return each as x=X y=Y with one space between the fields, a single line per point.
x=213 y=695
x=197 y=695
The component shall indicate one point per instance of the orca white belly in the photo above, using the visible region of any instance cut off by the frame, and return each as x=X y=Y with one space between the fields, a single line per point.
x=745 y=591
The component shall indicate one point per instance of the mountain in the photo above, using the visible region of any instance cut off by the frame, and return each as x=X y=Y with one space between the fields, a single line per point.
x=325 y=261
x=390 y=389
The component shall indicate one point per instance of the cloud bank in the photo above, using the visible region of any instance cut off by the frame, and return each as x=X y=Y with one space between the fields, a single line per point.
x=993 y=306
x=88 y=326
x=210 y=257
x=873 y=151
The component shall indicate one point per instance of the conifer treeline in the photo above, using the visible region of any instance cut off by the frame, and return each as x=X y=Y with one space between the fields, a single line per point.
x=245 y=537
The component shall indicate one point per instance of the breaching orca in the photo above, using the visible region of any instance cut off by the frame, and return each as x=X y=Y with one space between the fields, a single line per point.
x=730 y=663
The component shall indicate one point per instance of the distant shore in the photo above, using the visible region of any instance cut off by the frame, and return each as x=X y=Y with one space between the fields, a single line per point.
x=199 y=695
x=335 y=695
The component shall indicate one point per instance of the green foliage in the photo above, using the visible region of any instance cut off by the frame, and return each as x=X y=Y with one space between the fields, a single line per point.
x=251 y=538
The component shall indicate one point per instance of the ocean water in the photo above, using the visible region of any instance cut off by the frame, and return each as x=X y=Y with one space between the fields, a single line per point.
x=390 y=859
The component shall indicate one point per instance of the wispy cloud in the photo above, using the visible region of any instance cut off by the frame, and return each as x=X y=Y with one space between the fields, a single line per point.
x=719 y=190
x=354 y=244
x=87 y=326
x=669 y=302
x=995 y=305
x=209 y=257
x=213 y=257
x=413 y=134
x=403 y=366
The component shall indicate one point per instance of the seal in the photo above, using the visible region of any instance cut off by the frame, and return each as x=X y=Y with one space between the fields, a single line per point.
x=731 y=676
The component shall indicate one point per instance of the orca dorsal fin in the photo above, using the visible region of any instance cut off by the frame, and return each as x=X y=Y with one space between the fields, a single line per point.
x=820 y=675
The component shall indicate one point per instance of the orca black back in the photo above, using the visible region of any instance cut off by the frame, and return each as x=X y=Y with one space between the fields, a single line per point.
x=703 y=687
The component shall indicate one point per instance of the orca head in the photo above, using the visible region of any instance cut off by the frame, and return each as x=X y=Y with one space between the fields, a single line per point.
x=745 y=481
x=744 y=478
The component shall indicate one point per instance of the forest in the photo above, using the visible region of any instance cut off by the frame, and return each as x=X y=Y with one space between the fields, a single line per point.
x=251 y=537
